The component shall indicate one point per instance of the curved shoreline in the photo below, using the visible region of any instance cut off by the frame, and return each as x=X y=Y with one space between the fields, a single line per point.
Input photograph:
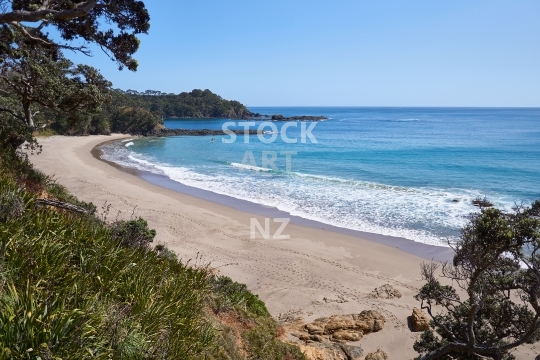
x=425 y=251
x=316 y=273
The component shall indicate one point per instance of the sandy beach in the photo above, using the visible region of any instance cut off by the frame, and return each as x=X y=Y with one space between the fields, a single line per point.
x=314 y=273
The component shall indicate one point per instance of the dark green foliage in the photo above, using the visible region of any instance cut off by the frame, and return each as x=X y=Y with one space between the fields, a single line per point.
x=135 y=113
x=13 y=132
x=111 y=24
x=133 y=233
x=501 y=305
x=11 y=205
x=163 y=251
x=232 y=295
x=38 y=84
x=135 y=121
x=194 y=104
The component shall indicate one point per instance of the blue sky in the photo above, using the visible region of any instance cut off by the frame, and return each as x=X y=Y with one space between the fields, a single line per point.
x=341 y=53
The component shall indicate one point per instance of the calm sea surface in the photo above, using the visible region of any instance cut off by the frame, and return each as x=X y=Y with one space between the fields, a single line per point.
x=408 y=172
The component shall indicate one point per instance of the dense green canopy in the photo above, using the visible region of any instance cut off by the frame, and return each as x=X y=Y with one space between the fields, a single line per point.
x=194 y=104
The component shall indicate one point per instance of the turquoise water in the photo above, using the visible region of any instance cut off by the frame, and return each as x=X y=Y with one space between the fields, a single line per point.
x=408 y=172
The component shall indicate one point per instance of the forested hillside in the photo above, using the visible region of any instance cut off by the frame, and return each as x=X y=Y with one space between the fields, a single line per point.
x=194 y=104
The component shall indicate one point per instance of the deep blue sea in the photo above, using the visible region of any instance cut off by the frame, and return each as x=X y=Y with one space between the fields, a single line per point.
x=407 y=172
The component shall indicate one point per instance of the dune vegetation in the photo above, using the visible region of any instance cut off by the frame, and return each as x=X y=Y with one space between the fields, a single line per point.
x=74 y=285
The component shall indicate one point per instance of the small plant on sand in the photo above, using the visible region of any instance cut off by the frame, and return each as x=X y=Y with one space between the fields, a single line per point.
x=496 y=306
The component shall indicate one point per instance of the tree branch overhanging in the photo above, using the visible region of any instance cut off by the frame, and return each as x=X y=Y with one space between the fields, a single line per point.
x=48 y=11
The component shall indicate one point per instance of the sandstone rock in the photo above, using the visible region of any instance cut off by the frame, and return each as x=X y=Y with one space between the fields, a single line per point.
x=307 y=337
x=352 y=352
x=331 y=351
x=346 y=336
x=369 y=321
x=325 y=338
x=419 y=320
x=314 y=329
x=386 y=291
x=336 y=323
x=377 y=355
x=363 y=323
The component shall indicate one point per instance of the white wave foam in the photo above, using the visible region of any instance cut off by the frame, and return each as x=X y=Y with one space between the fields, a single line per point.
x=130 y=144
x=249 y=167
x=427 y=215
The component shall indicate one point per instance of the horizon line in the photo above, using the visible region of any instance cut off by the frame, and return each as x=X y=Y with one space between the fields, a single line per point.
x=399 y=106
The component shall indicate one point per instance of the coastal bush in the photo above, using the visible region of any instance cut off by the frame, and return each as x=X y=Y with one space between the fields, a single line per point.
x=71 y=287
x=246 y=326
x=497 y=267
x=232 y=295
x=133 y=120
x=133 y=233
x=11 y=205
x=194 y=104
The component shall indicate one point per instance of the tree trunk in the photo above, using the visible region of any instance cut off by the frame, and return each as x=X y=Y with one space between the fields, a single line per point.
x=28 y=114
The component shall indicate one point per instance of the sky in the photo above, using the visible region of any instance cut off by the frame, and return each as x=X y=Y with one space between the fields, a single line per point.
x=340 y=52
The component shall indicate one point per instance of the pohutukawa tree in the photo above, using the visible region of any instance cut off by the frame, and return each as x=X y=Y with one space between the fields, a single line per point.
x=36 y=78
x=111 y=24
x=493 y=305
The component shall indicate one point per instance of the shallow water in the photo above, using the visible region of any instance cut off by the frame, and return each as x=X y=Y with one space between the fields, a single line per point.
x=406 y=172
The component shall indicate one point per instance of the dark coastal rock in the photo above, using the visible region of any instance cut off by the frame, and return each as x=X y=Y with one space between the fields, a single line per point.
x=479 y=202
x=162 y=132
x=253 y=116
x=279 y=117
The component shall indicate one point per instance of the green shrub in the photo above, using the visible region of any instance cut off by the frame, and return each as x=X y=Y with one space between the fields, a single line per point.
x=229 y=294
x=163 y=251
x=135 y=121
x=133 y=233
x=11 y=205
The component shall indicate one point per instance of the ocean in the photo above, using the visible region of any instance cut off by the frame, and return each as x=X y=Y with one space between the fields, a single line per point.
x=403 y=172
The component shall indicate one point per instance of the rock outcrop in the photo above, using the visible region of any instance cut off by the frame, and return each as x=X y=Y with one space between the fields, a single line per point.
x=419 y=320
x=386 y=291
x=331 y=351
x=161 y=132
x=377 y=355
x=340 y=328
x=326 y=338
x=279 y=117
